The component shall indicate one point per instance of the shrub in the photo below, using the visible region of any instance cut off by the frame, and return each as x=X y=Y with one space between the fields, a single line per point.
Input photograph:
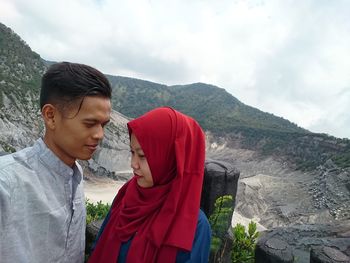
x=96 y=211
x=220 y=222
x=243 y=249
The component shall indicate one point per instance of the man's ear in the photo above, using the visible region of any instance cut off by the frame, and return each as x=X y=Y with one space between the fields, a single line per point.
x=49 y=114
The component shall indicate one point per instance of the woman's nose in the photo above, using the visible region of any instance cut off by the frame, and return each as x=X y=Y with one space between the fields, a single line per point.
x=134 y=163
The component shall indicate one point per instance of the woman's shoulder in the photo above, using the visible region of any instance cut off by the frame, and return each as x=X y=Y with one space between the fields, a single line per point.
x=201 y=243
x=202 y=220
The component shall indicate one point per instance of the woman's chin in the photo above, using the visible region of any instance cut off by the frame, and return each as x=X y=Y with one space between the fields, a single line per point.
x=141 y=182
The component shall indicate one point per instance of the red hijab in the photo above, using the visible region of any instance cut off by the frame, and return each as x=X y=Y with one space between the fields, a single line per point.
x=161 y=219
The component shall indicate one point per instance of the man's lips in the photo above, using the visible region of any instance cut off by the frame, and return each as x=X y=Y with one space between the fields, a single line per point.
x=92 y=147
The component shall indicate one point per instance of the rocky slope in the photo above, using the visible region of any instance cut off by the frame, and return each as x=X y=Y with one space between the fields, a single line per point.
x=20 y=71
x=112 y=158
x=224 y=115
x=276 y=195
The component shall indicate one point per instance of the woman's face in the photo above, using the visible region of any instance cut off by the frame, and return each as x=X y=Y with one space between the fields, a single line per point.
x=139 y=164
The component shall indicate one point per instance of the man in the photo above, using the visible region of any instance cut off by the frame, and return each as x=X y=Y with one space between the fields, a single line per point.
x=42 y=204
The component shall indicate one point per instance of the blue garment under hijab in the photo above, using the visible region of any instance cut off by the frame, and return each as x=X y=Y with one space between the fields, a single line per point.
x=200 y=249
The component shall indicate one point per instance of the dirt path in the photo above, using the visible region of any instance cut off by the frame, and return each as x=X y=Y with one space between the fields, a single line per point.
x=101 y=189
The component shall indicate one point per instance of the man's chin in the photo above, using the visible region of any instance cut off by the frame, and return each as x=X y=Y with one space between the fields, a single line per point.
x=85 y=157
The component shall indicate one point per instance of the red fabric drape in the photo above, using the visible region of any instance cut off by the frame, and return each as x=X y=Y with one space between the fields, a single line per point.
x=163 y=218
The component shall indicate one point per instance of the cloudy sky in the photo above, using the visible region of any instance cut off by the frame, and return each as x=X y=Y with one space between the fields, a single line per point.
x=289 y=58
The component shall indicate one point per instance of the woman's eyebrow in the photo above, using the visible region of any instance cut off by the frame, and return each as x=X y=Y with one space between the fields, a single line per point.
x=136 y=149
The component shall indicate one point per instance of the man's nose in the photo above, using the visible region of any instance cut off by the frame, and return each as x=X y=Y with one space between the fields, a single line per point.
x=99 y=133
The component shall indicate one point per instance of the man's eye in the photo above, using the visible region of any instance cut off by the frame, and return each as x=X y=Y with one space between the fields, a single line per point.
x=105 y=124
x=89 y=125
x=142 y=156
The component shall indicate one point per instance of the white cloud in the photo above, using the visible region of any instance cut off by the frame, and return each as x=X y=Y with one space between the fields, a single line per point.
x=285 y=57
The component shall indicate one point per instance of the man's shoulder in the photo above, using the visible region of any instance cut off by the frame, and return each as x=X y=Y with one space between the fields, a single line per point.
x=14 y=160
x=6 y=160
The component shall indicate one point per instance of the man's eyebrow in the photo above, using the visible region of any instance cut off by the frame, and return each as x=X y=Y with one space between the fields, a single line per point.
x=95 y=120
x=90 y=120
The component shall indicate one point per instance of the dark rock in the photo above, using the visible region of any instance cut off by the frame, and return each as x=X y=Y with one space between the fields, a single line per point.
x=273 y=250
x=320 y=254
x=220 y=178
x=302 y=238
x=91 y=234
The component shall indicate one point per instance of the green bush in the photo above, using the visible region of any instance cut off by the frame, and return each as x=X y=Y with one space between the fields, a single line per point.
x=220 y=222
x=342 y=160
x=96 y=211
x=243 y=249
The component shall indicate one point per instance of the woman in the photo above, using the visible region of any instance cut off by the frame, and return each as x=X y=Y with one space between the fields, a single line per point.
x=155 y=216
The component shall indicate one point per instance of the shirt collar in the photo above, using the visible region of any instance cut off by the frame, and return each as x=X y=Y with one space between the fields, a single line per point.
x=55 y=163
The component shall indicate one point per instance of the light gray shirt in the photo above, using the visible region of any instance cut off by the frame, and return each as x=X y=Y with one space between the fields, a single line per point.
x=42 y=208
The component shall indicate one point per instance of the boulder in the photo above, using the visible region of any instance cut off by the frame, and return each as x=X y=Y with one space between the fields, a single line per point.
x=220 y=178
x=91 y=234
x=300 y=239
x=326 y=254
x=273 y=250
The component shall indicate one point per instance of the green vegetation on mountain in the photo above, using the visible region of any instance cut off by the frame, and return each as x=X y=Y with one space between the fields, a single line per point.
x=214 y=108
x=20 y=73
x=222 y=114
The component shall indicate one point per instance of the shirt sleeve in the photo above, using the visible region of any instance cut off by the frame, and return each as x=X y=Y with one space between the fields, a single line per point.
x=201 y=244
x=5 y=210
x=5 y=201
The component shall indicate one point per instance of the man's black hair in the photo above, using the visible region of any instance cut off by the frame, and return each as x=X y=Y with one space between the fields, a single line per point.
x=65 y=82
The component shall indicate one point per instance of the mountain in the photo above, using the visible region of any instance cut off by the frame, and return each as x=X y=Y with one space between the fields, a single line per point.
x=224 y=115
x=218 y=112
x=214 y=108
x=20 y=73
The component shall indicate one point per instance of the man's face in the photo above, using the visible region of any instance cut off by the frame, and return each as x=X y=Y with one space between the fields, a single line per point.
x=76 y=136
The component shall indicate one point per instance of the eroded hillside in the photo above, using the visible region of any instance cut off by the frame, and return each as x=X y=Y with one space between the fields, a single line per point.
x=276 y=195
